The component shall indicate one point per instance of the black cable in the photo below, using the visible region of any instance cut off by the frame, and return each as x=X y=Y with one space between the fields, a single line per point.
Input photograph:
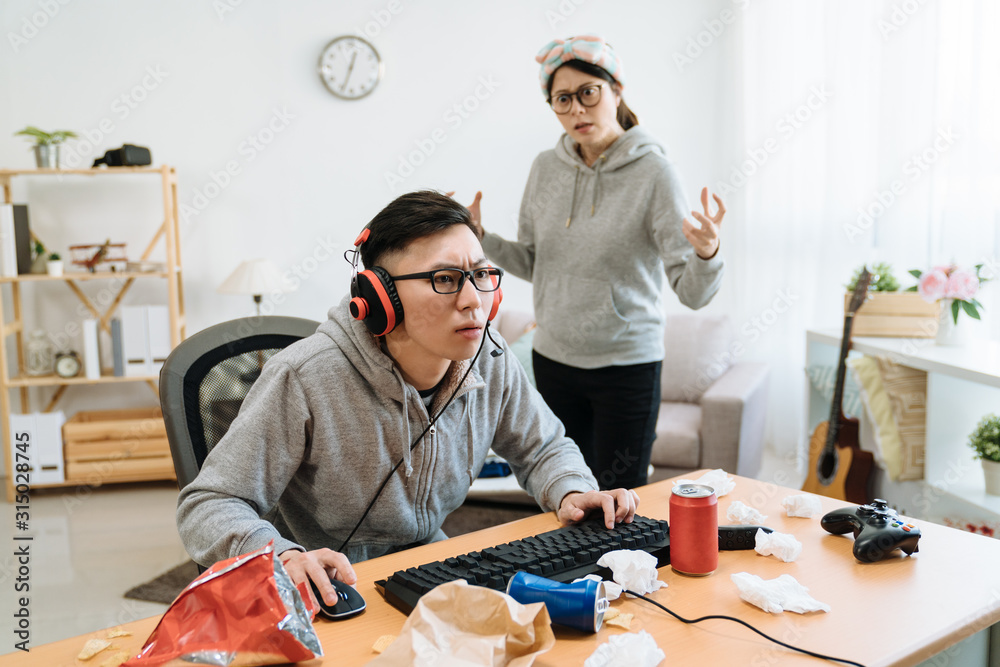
x=419 y=437
x=743 y=623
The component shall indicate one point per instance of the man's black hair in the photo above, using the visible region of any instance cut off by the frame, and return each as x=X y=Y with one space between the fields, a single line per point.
x=410 y=217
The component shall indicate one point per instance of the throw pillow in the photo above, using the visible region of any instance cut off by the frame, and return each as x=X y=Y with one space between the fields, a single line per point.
x=697 y=354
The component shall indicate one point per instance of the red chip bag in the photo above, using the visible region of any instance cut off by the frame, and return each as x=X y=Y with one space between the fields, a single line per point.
x=241 y=612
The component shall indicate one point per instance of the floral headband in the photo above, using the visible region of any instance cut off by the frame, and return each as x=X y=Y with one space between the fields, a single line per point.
x=588 y=48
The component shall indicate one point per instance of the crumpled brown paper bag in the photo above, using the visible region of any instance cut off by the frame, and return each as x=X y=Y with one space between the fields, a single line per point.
x=458 y=625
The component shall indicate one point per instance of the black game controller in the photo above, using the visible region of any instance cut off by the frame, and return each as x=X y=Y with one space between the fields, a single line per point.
x=878 y=530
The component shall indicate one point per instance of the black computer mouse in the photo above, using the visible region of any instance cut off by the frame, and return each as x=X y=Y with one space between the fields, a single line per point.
x=349 y=603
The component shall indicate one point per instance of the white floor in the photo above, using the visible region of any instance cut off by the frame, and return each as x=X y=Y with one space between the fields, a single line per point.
x=92 y=546
x=89 y=547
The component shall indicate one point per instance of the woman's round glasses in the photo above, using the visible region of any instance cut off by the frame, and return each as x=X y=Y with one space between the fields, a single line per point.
x=450 y=281
x=587 y=96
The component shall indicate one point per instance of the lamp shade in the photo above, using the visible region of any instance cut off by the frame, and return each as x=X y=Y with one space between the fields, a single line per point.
x=256 y=276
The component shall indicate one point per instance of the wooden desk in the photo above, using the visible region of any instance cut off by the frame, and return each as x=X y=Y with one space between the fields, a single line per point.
x=910 y=608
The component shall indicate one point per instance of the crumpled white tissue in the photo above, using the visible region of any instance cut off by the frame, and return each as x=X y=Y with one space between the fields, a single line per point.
x=632 y=649
x=612 y=590
x=718 y=479
x=744 y=515
x=776 y=595
x=633 y=569
x=782 y=545
x=804 y=505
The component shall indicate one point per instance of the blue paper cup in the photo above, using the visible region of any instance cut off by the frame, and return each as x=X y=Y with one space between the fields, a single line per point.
x=580 y=605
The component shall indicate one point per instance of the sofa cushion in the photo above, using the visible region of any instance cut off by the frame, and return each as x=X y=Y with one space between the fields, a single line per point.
x=678 y=441
x=697 y=354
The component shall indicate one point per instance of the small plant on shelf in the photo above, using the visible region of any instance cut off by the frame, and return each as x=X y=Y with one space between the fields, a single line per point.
x=43 y=138
x=46 y=145
x=985 y=440
x=882 y=278
x=39 y=257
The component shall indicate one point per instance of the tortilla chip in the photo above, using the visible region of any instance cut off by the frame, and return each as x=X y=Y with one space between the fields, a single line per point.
x=382 y=643
x=92 y=648
x=118 y=632
x=623 y=620
x=610 y=613
x=117 y=659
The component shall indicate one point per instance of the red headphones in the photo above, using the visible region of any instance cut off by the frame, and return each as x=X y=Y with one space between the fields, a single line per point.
x=374 y=299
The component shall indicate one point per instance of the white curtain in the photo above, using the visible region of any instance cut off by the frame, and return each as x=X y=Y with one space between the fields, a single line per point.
x=869 y=131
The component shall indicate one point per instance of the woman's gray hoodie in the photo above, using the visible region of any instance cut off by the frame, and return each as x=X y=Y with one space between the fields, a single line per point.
x=599 y=243
x=328 y=419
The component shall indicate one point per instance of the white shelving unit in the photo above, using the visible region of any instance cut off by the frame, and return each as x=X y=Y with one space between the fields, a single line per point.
x=963 y=385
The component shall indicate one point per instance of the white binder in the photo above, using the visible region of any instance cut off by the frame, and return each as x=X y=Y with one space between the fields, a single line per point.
x=91 y=350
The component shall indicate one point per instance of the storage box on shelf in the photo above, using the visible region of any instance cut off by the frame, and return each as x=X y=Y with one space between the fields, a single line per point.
x=89 y=459
x=895 y=314
x=116 y=446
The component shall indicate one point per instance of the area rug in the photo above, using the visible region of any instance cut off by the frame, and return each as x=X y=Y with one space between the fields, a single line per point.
x=466 y=519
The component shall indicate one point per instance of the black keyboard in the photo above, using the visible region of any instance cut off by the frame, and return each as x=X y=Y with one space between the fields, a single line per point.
x=563 y=555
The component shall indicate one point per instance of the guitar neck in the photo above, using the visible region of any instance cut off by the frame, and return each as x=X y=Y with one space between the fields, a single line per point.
x=836 y=412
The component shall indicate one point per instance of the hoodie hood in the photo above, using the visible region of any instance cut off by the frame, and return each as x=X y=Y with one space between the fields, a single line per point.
x=628 y=148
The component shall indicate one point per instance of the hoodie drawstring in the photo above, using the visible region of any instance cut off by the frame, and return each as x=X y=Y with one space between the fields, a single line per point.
x=469 y=446
x=597 y=189
x=572 y=203
x=597 y=183
x=406 y=421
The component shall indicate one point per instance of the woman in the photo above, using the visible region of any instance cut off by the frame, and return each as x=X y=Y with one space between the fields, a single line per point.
x=601 y=229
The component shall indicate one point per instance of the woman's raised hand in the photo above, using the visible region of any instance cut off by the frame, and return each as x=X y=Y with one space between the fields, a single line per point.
x=705 y=240
x=477 y=218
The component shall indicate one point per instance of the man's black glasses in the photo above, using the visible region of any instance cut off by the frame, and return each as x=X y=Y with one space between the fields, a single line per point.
x=450 y=281
x=587 y=96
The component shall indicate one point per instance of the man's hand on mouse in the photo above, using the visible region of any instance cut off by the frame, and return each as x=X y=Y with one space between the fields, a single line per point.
x=320 y=566
x=619 y=506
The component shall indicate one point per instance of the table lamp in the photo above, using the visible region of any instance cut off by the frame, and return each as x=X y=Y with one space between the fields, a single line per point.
x=256 y=277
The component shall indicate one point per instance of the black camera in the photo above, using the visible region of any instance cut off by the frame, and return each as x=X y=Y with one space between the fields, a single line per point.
x=126 y=156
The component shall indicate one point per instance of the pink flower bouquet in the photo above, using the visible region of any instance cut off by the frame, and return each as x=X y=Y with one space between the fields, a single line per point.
x=951 y=282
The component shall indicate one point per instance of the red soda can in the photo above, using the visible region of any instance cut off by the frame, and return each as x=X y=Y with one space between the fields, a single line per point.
x=694 y=530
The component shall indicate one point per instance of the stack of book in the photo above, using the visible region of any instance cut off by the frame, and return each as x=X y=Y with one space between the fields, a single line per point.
x=15 y=240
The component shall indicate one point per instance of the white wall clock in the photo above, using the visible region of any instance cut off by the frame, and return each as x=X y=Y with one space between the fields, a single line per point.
x=350 y=67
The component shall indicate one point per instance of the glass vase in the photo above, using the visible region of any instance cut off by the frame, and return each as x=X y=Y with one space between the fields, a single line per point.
x=39 y=357
x=949 y=333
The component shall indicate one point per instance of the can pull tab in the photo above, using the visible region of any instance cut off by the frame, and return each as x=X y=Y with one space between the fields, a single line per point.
x=602 y=605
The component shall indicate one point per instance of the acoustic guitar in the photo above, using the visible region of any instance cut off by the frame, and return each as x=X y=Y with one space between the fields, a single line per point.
x=838 y=467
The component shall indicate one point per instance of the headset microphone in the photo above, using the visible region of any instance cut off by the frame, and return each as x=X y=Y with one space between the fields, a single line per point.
x=497 y=352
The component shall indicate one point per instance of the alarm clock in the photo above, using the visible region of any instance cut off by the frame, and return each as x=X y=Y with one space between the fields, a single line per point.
x=350 y=67
x=67 y=364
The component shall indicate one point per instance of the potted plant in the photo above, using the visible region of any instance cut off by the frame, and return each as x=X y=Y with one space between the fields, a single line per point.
x=985 y=440
x=39 y=258
x=882 y=278
x=888 y=311
x=46 y=145
x=55 y=265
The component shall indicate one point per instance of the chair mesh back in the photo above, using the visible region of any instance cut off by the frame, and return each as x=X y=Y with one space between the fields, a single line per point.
x=215 y=386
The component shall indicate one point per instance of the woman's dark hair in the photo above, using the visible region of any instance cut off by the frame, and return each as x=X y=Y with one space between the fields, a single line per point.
x=626 y=118
x=410 y=217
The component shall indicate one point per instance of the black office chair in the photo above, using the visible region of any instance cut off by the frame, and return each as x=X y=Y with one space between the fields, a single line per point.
x=205 y=379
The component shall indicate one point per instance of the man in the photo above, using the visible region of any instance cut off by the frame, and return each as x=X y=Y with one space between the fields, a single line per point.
x=334 y=415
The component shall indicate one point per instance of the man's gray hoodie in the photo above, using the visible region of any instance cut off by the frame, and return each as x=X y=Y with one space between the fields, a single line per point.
x=598 y=243
x=328 y=419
